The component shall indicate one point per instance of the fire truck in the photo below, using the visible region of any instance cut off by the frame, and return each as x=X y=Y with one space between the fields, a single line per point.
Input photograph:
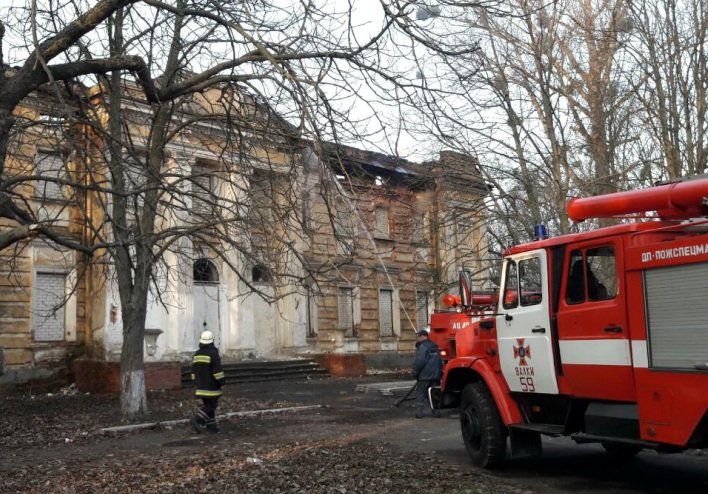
x=601 y=336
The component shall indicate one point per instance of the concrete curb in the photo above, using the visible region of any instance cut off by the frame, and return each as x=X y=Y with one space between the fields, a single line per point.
x=386 y=388
x=169 y=423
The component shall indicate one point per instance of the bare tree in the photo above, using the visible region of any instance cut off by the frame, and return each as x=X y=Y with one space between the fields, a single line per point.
x=569 y=103
x=669 y=49
x=247 y=83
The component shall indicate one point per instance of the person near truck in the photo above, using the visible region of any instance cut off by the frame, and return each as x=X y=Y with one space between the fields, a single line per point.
x=427 y=370
x=208 y=379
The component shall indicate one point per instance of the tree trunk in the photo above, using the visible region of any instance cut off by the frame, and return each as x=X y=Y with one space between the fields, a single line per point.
x=133 y=397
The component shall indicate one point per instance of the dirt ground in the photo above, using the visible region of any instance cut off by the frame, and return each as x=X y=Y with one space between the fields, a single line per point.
x=353 y=443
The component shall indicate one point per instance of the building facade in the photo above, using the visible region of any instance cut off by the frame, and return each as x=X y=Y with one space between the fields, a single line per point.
x=295 y=249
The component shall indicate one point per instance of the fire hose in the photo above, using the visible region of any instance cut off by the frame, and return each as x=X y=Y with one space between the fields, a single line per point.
x=407 y=395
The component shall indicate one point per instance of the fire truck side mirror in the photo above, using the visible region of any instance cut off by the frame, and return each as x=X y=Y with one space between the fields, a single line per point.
x=508 y=317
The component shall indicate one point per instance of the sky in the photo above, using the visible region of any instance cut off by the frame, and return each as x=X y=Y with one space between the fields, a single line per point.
x=367 y=17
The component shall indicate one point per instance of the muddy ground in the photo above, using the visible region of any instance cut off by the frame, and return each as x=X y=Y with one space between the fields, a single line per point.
x=354 y=443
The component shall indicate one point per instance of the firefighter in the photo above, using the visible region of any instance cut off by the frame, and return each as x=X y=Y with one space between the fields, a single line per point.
x=427 y=370
x=208 y=378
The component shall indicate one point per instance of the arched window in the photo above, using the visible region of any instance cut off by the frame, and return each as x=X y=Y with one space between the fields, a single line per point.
x=205 y=272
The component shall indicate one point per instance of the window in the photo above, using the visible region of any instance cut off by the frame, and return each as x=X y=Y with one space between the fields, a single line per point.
x=511 y=286
x=269 y=198
x=343 y=223
x=524 y=283
x=49 y=165
x=47 y=306
x=463 y=227
x=421 y=308
x=204 y=271
x=530 y=281
x=345 y=310
x=575 y=289
x=592 y=275
x=386 y=312
x=311 y=309
x=135 y=181
x=261 y=274
x=344 y=231
x=203 y=189
x=601 y=273
x=421 y=229
x=382 y=225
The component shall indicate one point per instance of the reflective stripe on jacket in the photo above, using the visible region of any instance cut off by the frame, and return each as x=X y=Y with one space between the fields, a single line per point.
x=207 y=372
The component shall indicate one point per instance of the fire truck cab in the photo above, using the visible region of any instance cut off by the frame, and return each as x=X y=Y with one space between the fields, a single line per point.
x=601 y=336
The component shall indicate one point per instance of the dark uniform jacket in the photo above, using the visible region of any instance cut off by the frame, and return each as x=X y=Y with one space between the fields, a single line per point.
x=427 y=365
x=207 y=372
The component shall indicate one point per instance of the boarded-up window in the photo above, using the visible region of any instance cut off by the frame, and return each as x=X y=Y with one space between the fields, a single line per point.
x=382 y=226
x=343 y=223
x=345 y=306
x=49 y=167
x=421 y=308
x=386 y=312
x=421 y=229
x=47 y=309
x=203 y=188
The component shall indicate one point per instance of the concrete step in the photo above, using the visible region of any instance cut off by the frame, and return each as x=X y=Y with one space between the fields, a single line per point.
x=263 y=370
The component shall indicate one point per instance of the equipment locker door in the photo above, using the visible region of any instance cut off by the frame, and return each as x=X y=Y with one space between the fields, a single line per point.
x=524 y=326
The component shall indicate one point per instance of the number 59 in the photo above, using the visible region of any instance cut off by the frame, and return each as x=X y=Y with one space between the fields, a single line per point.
x=527 y=384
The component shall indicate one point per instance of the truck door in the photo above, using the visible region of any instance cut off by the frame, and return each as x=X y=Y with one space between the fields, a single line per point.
x=592 y=323
x=524 y=326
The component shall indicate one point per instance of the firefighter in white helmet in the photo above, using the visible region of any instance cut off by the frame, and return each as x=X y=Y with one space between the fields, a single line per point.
x=208 y=379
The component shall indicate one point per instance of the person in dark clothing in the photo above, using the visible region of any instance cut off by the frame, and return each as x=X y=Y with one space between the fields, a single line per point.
x=208 y=378
x=427 y=370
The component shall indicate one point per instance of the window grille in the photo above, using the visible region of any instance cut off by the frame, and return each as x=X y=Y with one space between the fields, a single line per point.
x=386 y=312
x=421 y=302
x=47 y=312
x=49 y=166
x=202 y=190
x=346 y=310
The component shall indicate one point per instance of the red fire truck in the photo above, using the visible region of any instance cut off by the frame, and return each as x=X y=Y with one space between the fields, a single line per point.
x=601 y=336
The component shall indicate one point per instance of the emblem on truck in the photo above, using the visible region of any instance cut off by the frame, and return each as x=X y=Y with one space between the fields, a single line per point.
x=522 y=352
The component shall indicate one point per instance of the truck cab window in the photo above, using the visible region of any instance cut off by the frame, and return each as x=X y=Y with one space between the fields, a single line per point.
x=530 y=281
x=523 y=285
x=592 y=275
x=601 y=272
x=511 y=286
x=575 y=291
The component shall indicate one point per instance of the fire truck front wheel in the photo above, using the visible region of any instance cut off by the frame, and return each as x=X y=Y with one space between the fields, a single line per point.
x=483 y=431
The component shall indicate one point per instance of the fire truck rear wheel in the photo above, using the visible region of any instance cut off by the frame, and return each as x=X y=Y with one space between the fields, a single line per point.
x=483 y=431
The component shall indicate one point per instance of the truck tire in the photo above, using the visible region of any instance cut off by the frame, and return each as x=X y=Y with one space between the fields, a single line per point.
x=483 y=431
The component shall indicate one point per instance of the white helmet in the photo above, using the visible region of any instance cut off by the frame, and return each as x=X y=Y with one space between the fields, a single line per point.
x=206 y=338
